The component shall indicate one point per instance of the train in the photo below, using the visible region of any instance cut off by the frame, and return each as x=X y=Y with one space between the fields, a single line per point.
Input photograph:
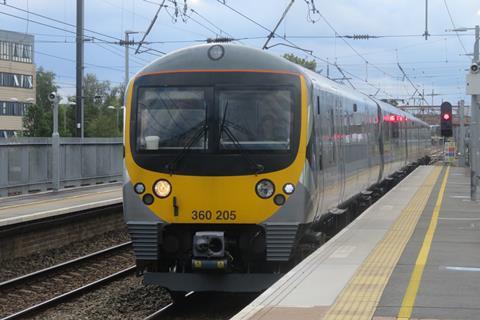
x=235 y=157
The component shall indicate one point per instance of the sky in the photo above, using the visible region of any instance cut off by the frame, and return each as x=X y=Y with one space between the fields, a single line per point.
x=435 y=65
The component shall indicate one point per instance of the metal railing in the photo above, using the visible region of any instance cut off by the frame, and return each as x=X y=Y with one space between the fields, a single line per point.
x=26 y=163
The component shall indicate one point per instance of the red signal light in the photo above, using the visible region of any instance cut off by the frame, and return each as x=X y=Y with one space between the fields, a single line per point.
x=446 y=116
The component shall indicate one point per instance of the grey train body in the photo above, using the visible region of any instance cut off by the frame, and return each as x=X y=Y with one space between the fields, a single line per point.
x=353 y=145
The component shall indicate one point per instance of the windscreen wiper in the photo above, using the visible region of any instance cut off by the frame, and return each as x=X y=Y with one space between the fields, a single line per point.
x=226 y=128
x=201 y=131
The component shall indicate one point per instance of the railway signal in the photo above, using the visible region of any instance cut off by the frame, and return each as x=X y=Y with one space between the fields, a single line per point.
x=446 y=119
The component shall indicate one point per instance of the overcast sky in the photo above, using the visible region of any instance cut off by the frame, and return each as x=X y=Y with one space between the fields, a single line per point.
x=438 y=63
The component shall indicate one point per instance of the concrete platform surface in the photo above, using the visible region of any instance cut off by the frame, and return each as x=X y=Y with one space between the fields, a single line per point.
x=24 y=208
x=414 y=254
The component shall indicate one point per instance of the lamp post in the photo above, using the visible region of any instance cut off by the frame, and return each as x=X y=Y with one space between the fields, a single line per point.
x=474 y=118
x=55 y=99
x=474 y=127
x=127 y=44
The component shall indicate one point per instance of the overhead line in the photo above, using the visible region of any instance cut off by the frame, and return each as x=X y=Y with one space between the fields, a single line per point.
x=297 y=47
x=349 y=45
x=211 y=23
x=73 y=61
x=453 y=24
x=62 y=22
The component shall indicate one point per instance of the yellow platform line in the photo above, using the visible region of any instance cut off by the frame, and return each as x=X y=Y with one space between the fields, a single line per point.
x=359 y=299
x=417 y=274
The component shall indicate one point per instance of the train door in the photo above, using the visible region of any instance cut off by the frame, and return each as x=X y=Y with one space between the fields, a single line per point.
x=330 y=158
x=371 y=142
x=379 y=135
x=318 y=131
x=340 y=139
x=405 y=138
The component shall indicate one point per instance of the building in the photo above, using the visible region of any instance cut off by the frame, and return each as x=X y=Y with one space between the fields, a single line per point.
x=17 y=80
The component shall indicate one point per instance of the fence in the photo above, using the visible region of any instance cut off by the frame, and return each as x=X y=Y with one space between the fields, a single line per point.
x=26 y=163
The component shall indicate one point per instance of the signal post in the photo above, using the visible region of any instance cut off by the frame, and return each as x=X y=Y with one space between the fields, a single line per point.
x=473 y=89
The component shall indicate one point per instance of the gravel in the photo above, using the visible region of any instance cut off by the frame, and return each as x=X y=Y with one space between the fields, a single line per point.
x=123 y=299
x=23 y=265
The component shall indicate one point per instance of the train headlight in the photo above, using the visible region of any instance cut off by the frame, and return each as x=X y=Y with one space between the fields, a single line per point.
x=265 y=188
x=162 y=188
x=139 y=188
x=216 y=52
x=288 y=188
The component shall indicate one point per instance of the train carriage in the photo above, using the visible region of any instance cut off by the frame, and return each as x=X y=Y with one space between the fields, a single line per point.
x=234 y=157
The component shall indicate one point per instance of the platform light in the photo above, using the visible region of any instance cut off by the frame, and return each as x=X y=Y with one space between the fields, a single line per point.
x=162 y=188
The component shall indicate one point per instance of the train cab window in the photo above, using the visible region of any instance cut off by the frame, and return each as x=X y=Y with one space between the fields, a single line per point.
x=171 y=118
x=255 y=119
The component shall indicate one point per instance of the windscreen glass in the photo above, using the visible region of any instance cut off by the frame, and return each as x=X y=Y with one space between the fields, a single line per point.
x=255 y=119
x=171 y=118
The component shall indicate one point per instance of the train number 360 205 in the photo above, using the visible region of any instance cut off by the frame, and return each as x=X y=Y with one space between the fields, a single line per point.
x=219 y=215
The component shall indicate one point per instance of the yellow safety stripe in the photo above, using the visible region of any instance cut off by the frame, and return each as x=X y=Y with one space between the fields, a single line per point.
x=416 y=277
x=360 y=297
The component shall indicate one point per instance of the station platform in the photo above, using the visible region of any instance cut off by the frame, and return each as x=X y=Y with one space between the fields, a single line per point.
x=414 y=254
x=23 y=208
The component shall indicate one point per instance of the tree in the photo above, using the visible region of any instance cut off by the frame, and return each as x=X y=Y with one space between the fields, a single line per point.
x=309 y=64
x=99 y=120
x=38 y=119
x=393 y=102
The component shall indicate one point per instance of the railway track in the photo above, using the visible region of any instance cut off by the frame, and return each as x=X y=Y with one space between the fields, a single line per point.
x=42 y=289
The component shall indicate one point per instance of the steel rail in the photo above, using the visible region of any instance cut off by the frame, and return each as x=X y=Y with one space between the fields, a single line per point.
x=164 y=309
x=68 y=295
x=42 y=272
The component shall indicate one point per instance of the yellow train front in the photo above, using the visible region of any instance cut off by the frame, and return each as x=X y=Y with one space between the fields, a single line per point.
x=213 y=150
x=231 y=160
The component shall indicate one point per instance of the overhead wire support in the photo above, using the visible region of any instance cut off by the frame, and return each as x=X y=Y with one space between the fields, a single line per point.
x=272 y=34
x=412 y=84
x=310 y=52
x=454 y=27
x=150 y=27
x=344 y=76
x=426 y=34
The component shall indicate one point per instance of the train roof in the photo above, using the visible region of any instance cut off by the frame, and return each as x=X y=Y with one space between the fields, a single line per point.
x=240 y=57
x=235 y=57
